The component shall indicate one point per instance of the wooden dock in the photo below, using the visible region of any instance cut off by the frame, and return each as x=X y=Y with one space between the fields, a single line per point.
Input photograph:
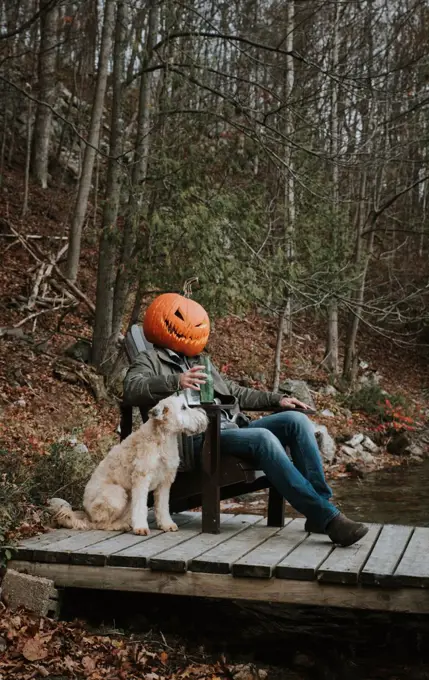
x=388 y=570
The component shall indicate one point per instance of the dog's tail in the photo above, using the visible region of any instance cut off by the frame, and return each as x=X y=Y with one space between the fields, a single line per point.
x=64 y=516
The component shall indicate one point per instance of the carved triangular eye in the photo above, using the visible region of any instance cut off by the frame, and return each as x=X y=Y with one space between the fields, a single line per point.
x=179 y=314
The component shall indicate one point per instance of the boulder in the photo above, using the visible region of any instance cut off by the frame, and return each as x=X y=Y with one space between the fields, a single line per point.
x=415 y=451
x=369 y=445
x=356 y=469
x=299 y=390
x=366 y=457
x=348 y=452
x=80 y=351
x=328 y=391
x=355 y=440
x=327 y=413
x=399 y=444
x=326 y=443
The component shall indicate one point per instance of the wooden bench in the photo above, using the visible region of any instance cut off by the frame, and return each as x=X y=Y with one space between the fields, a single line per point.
x=203 y=481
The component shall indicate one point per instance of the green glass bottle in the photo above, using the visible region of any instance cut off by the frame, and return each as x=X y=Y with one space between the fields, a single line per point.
x=207 y=391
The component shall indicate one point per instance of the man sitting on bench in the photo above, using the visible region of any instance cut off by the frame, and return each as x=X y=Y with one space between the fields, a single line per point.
x=172 y=365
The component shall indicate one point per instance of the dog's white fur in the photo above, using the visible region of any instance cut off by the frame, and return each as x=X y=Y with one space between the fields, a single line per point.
x=115 y=497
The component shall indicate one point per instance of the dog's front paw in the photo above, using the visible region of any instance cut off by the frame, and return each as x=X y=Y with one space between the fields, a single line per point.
x=141 y=531
x=171 y=526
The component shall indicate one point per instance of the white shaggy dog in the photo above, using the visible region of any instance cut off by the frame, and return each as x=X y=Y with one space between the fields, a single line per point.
x=116 y=495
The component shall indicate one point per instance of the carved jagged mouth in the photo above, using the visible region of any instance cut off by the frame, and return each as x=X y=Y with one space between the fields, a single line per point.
x=171 y=329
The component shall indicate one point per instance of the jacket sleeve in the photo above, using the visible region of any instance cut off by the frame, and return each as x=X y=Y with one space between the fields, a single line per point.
x=253 y=399
x=144 y=387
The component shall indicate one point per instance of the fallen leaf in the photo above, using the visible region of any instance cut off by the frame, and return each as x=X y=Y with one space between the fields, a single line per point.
x=163 y=657
x=34 y=650
x=89 y=664
x=69 y=663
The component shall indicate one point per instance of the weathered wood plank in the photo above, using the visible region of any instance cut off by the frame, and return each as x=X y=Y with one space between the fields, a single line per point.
x=139 y=554
x=26 y=548
x=180 y=556
x=62 y=550
x=97 y=554
x=413 y=569
x=386 y=555
x=219 y=559
x=345 y=564
x=303 y=562
x=262 y=560
x=408 y=600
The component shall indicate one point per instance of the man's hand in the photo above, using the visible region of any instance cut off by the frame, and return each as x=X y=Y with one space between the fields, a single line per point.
x=193 y=378
x=291 y=402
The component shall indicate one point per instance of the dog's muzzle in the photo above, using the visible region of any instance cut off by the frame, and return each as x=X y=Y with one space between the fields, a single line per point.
x=197 y=421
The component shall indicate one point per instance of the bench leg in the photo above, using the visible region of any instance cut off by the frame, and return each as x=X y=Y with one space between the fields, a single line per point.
x=126 y=422
x=210 y=489
x=276 y=508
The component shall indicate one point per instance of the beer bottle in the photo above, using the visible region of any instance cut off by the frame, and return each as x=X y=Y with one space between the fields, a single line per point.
x=207 y=391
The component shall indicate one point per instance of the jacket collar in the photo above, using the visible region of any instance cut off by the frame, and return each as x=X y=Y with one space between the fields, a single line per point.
x=171 y=357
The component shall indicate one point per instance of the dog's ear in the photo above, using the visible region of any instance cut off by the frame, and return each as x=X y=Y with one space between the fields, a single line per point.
x=165 y=411
x=154 y=412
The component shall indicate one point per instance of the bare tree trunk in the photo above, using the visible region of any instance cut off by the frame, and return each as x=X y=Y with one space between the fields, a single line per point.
x=81 y=204
x=332 y=360
x=279 y=342
x=46 y=75
x=30 y=128
x=290 y=182
x=350 y=345
x=108 y=237
x=135 y=203
x=285 y=319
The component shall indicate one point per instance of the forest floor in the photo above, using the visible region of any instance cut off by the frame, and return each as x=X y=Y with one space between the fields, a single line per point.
x=37 y=410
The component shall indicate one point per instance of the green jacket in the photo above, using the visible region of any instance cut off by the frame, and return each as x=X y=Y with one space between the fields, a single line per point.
x=154 y=375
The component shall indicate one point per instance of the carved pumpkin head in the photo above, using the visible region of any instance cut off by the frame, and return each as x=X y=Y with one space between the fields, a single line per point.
x=178 y=323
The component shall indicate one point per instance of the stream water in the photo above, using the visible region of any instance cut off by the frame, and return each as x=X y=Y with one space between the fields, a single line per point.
x=396 y=496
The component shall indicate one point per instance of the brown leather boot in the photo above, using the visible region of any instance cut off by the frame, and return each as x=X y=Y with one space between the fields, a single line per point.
x=343 y=531
x=312 y=529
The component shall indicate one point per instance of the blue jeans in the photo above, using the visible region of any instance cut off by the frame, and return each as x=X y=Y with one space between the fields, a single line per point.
x=301 y=482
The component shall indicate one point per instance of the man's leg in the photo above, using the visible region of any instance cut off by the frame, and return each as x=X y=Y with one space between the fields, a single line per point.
x=262 y=447
x=295 y=431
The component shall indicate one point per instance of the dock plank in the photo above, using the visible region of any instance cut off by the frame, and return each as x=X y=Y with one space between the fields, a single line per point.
x=219 y=559
x=180 y=556
x=345 y=564
x=138 y=555
x=97 y=554
x=25 y=550
x=303 y=562
x=61 y=551
x=386 y=555
x=413 y=568
x=262 y=560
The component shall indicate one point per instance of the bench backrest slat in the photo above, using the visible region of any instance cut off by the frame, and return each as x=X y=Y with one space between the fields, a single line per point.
x=136 y=342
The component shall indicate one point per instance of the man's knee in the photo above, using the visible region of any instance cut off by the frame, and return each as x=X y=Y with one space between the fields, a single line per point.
x=294 y=420
x=265 y=442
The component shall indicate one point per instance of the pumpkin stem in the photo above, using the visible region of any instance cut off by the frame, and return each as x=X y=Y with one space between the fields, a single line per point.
x=187 y=286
